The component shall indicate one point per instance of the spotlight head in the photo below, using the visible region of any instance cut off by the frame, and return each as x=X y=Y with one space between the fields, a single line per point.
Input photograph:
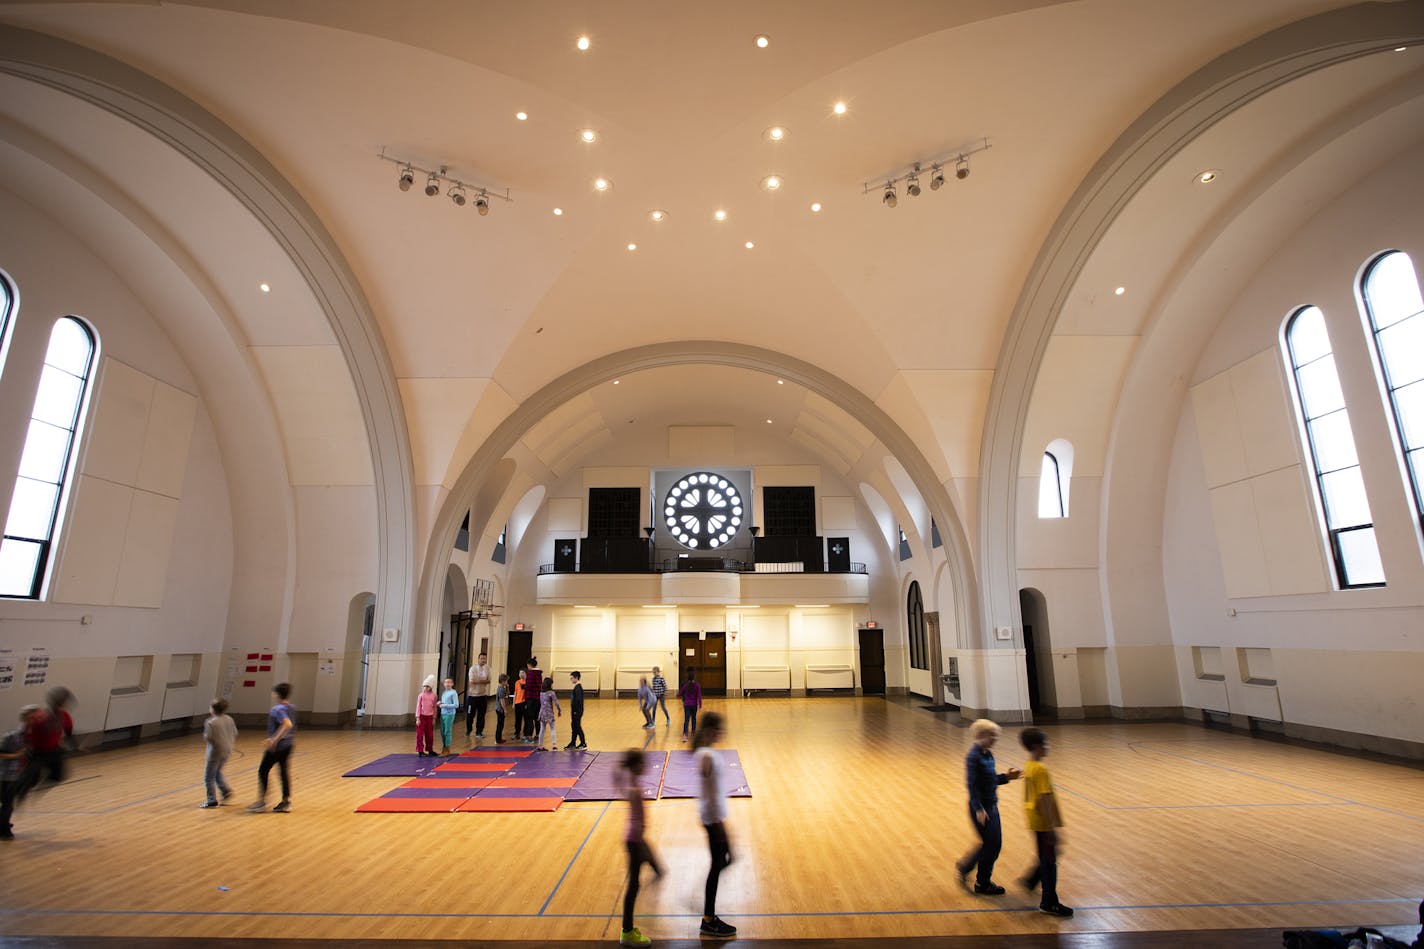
x=432 y=185
x=961 y=169
x=937 y=179
x=407 y=177
x=482 y=204
x=889 y=198
x=912 y=187
x=457 y=194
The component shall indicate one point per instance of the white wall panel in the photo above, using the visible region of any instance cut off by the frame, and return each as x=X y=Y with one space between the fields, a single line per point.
x=1219 y=430
x=114 y=450
x=565 y=515
x=1285 y=515
x=148 y=544
x=94 y=542
x=1266 y=420
x=323 y=430
x=1238 y=538
x=166 y=442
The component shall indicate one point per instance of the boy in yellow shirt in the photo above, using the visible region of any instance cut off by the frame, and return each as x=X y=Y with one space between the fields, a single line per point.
x=1046 y=822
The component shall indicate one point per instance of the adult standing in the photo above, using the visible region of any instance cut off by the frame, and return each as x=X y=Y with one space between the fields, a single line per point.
x=533 y=685
x=277 y=749
x=477 y=696
x=983 y=783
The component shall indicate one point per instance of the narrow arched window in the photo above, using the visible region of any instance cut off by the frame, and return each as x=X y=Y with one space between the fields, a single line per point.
x=1396 y=312
x=915 y=627
x=47 y=459
x=1339 y=485
x=905 y=552
x=7 y=307
x=1050 y=488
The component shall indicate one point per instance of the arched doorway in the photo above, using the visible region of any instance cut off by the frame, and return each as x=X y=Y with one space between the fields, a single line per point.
x=1038 y=655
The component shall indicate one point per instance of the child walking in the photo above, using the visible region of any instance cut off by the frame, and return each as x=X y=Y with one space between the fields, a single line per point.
x=425 y=705
x=1046 y=822
x=281 y=722
x=449 y=705
x=691 y=694
x=549 y=709
x=660 y=693
x=712 y=807
x=12 y=770
x=576 y=738
x=983 y=782
x=639 y=852
x=501 y=699
x=646 y=702
x=220 y=734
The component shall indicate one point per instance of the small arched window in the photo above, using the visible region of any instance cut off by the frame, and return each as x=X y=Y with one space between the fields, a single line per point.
x=1339 y=485
x=7 y=306
x=47 y=459
x=1396 y=312
x=905 y=552
x=1054 y=477
x=915 y=627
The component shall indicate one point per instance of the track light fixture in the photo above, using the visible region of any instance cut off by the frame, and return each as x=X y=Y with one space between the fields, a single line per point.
x=911 y=176
x=435 y=179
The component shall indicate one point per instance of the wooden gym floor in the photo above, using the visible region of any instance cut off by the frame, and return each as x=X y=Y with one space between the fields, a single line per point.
x=857 y=815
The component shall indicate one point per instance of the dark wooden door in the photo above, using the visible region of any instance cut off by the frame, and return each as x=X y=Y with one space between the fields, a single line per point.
x=1031 y=670
x=706 y=657
x=872 y=661
x=521 y=646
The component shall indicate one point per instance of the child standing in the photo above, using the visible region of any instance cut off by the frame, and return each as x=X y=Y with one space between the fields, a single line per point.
x=425 y=705
x=639 y=852
x=220 y=734
x=576 y=737
x=548 y=710
x=712 y=807
x=521 y=704
x=12 y=770
x=1046 y=822
x=646 y=702
x=281 y=722
x=691 y=694
x=449 y=705
x=501 y=699
x=660 y=693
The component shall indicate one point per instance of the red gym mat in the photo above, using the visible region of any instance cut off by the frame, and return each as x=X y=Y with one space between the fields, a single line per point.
x=533 y=782
x=412 y=805
x=454 y=784
x=499 y=766
x=489 y=804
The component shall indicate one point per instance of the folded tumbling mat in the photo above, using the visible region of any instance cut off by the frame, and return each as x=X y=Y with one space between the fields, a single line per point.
x=681 y=778
x=602 y=780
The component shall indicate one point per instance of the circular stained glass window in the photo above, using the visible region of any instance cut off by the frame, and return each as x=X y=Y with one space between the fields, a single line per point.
x=703 y=511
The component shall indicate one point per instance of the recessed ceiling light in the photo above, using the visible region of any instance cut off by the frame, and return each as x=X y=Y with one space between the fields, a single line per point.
x=768 y=421
x=839 y=108
x=762 y=41
x=265 y=288
x=776 y=133
x=601 y=184
x=781 y=382
x=616 y=381
x=771 y=182
x=521 y=116
x=748 y=245
x=657 y=216
x=583 y=43
x=1207 y=177
x=1120 y=291
x=719 y=215
x=588 y=135
x=558 y=212
x=632 y=246
x=815 y=207
x=1400 y=49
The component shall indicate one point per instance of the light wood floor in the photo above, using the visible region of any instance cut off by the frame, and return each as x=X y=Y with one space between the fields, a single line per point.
x=858 y=813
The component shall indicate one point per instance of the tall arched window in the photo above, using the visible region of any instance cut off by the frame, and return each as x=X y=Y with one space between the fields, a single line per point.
x=7 y=306
x=1391 y=292
x=1054 y=477
x=915 y=627
x=46 y=460
x=1340 y=487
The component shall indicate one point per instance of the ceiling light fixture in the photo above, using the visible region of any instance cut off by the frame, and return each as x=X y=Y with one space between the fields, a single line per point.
x=616 y=381
x=436 y=178
x=748 y=245
x=781 y=382
x=1400 y=49
x=839 y=108
x=583 y=43
x=768 y=421
x=657 y=216
x=589 y=136
x=911 y=175
x=762 y=41
x=1120 y=291
x=558 y=212
x=601 y=184
x=521 y=116
x=815 y=207
x=776 y=133
x=1207 y=177
x=265 y=288
x=632 y=246
x=771 y=182
x=719 y=215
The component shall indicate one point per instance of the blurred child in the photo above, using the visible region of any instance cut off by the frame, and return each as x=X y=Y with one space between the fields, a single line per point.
x=449 y=705
x=1046 y=822
x=12 y=770
x=501 y=700
x=646 y=702
x=45 y=733
x=277 y=749
x=639 y=852
x=712 y=808
x=220 y=734
x=425 y=705
x=549 y=710
x=660 y=693
x=576 y=736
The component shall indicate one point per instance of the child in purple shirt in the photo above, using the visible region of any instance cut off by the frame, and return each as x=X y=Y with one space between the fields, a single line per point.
x=691 y=694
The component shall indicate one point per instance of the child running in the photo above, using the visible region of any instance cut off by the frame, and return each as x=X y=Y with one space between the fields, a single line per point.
x=1046 y=822
x=639 y=852
x=449 y=705
x=46 y=731
x=220 y=734
x=712 y=807
x=549 y=709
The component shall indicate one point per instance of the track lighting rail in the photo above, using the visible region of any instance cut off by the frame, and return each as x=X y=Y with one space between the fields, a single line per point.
x=933 y=169
x=437 y=179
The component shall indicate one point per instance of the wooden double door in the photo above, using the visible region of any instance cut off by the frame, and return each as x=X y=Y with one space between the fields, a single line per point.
x=706 y=655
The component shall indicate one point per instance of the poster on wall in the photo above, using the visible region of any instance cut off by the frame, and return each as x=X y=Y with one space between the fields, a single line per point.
x=7 y=669
x=327 y=667
x=229 y=677
x=37 y=666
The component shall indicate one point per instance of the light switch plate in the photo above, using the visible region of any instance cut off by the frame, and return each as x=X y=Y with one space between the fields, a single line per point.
x=1004 y=632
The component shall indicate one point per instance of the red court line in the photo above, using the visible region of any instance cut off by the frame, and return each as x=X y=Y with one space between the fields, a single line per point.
x=533 y=782
x=488 y=804
x=411 y=805
x=475 y=766
x=453 y=784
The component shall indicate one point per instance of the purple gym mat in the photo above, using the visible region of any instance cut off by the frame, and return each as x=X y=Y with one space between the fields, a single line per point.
x=601 y=781
x=431 y=792
x=395 y=766
x=521 y=792
x=681 y=778
x=460 y=775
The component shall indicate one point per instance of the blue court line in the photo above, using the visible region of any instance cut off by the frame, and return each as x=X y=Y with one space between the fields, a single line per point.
x=574 y=858
x=1410 y=902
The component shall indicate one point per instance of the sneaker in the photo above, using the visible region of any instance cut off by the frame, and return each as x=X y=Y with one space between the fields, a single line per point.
x=227 y=794
x=717 y=929
x=570 y=747
x=634 y=937
x=964 y=878
x=282 y=808
x=480 y=736
x=7 y=834
x=582 y=747
x=207 y=804
x=1028 y=883
x=989 y=889
x=257 y=807
x=1057 y=909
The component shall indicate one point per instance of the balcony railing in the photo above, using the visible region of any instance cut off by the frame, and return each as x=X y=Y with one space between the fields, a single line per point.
x=713 y=565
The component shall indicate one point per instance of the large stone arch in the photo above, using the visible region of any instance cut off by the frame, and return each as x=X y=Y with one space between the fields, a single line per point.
x=705 y=352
